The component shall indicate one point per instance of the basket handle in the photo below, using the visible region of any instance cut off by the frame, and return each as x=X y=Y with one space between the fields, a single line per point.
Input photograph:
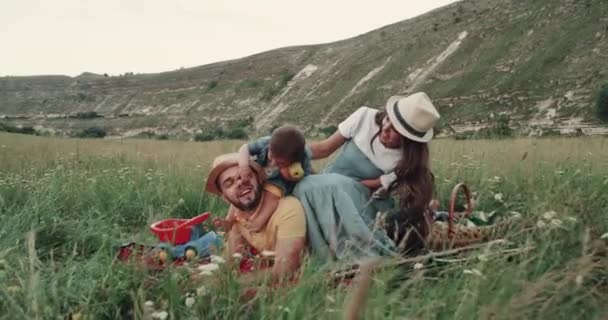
x=195 y=220
x=467 y=194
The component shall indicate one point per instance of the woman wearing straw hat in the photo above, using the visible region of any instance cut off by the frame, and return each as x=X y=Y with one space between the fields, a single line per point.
x=383 y=151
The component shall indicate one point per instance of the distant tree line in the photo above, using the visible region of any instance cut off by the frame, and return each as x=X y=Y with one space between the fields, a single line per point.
x=234 y=130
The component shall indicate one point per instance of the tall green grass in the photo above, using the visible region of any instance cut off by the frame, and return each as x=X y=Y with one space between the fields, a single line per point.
x=64 y=215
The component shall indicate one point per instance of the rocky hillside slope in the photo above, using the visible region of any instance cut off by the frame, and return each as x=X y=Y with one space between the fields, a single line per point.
x=537 y=62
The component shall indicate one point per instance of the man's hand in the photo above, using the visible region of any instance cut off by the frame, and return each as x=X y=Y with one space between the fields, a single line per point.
x=224 y=224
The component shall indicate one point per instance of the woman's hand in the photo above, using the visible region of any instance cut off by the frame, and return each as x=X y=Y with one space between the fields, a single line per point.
x=372 y=184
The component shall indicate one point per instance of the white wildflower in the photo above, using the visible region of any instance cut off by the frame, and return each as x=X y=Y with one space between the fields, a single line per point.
x=515 y=214
x=190 y=302
x=418 y=266
x=237 y=255
x=549 y=215
x=13 y=289
x=556 y=223
x=162 y=315
x=604 y=236
x=473 y=272
x=482 y=257
x=571 y=219
x=209 y=267
x=284 y=309
x=181 y=202
x=498 y=197
x=470 y=224
x=217 y=259
x=579 y=280
x=541 y=224
x=149 y=304
x=202 y=291
x=267 y=253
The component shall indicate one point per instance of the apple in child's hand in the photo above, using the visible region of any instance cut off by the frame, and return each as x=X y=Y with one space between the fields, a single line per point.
x=294 y=172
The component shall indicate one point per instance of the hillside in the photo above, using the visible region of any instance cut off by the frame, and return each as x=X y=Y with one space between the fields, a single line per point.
x=538 y=62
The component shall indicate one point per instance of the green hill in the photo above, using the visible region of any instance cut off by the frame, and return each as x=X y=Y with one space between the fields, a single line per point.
x=539 y=63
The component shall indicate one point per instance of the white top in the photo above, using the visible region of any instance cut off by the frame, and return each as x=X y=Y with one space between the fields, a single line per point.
x=361 y=128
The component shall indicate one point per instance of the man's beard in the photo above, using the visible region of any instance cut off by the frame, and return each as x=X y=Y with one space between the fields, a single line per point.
x=250 y=205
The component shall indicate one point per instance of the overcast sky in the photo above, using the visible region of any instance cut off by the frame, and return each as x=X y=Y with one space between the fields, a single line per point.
x=142 y=36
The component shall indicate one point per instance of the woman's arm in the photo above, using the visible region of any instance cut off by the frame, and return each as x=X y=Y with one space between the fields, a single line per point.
x=372 y=184
x=325 y=148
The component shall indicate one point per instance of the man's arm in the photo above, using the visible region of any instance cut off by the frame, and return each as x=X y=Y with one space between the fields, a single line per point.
x=288 y=257
x=235 y=242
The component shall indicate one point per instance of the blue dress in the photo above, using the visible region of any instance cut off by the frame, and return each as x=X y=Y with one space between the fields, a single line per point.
x=339 y=213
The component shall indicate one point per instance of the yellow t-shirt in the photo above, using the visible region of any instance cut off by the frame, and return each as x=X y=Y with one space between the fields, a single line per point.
x=288 y=221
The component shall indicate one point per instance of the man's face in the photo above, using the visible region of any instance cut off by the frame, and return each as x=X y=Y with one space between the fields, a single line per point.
x=243 y=194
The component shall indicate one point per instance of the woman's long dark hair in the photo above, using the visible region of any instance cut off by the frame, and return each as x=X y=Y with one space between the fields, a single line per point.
x=415 y=188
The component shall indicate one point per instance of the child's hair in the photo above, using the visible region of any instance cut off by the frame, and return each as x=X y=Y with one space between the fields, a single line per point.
x=288 y=142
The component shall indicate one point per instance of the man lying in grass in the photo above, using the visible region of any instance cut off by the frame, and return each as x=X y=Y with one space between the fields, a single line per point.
x=285 y=231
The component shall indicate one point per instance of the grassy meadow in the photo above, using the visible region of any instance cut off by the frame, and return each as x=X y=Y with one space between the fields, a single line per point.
x=67 y=204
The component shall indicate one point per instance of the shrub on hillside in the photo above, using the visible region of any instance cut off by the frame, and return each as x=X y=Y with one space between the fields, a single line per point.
x=602 y=102
x=4 y=127
x=272 y=90
x=151 y=135
x=233 y=132
x=236 y=134
x=211 y=85
x=210 y=134
x=499 y=129
x=241 y=123
x=286 y=76
x=204 y=136
x=92 y=132
x=162 y=136
x=86 y=115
